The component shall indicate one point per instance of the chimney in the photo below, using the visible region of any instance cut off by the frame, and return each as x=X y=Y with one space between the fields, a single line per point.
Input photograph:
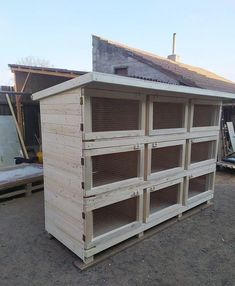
x=173 y=56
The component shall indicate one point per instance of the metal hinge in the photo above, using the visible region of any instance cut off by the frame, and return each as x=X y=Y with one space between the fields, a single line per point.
x=82 y=161
x=83 y=237
x=137 y=147
x=83 y=215
x=81 y=127
x=82 y=183
x=81 y=100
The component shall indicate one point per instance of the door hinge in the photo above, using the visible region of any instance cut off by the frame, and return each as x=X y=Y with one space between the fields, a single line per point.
x=81 y=127
x=81 y=100
x=82 y=161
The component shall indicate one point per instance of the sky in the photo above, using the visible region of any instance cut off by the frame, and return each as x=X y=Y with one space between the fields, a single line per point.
x=60 y=31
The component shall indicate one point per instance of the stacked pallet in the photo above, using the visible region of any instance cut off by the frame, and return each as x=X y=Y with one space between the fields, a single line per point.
x=122 y=155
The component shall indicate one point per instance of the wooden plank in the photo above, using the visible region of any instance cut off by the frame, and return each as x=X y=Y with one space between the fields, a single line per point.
x=112 y=134
x=104 y=199
x=111 y=150
x=231 y=134
x=17 y=127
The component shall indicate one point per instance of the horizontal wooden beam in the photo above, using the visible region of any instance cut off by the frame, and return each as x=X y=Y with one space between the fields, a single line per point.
x=44 y=72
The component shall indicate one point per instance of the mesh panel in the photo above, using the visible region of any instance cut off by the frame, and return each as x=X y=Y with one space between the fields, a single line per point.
x=167 y=115
x=116 y=167
x=163 y=198
x=165 y=158
x=201 y=151
x=110 y=114
x=197 y=185
x=204 y=115
x=114 y=216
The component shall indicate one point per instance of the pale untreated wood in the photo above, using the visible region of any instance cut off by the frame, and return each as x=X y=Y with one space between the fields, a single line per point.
x=119 y=160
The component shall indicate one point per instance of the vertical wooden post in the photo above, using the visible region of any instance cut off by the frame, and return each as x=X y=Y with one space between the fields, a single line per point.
x=17 y=127
x=28 y=189
x=19 y=113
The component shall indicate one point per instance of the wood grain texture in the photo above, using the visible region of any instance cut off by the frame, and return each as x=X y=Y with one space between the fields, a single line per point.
x=62 y=151
x=143 y=159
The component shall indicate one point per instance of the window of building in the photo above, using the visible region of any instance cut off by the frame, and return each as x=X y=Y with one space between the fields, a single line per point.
x=121 y=71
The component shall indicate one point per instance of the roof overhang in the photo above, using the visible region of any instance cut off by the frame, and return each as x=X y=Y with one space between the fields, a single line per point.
x=104 y=81
x=46 y=71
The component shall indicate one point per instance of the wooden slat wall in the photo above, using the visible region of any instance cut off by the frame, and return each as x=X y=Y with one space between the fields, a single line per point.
x=62 y=152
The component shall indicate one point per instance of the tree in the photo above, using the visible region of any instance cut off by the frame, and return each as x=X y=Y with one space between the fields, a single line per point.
x=34 y=61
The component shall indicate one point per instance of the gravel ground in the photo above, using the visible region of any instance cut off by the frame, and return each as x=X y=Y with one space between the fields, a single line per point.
x=199 y=250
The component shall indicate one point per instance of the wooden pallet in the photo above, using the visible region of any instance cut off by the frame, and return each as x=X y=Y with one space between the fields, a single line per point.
x=28 y=179
x=138 y=238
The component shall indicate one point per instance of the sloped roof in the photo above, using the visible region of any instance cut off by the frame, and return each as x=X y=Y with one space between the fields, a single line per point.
x=46 y=70
x=116 y=82
x=184 y=73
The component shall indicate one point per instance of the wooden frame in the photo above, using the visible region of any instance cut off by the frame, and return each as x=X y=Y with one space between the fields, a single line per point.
x=88 y=154
x=211 y=155
x=167 y=212
x=170 y=171
x=73 y=204
x=90 y=135
x=110 y=237
x=21 y=184
x=165 y=99
x=215 y=126
x=209 y=186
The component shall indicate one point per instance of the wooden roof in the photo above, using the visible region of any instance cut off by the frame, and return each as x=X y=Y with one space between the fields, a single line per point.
x=122 y=83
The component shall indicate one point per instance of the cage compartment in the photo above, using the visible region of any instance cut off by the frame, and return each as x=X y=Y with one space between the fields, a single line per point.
x=166 y=158
x=113 y=114
x=164 y=198
x=205 y=115
x=202 y=151
x=115 y=216
x=111 y=168
x=169 y=115
x=200 y=185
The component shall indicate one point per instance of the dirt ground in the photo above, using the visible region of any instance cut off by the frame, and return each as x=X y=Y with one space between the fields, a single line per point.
x=197 y=251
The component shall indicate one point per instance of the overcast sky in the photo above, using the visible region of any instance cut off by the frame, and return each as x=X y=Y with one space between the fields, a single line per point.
x=60 y=31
